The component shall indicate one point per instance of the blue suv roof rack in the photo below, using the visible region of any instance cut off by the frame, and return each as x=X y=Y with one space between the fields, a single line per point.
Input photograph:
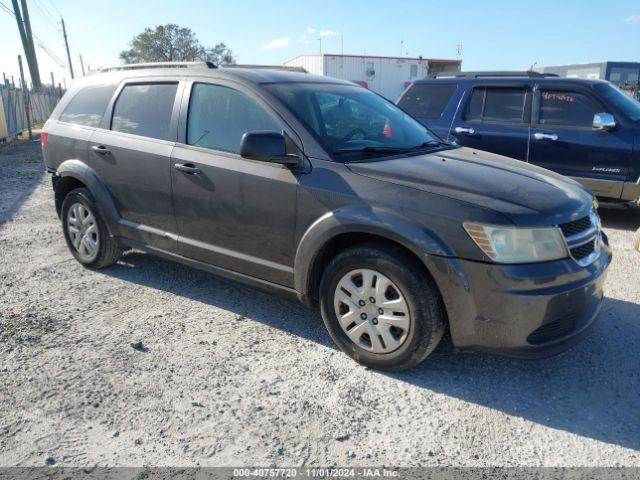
x=498 y=74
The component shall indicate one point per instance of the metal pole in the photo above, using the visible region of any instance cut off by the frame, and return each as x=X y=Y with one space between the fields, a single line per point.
x=23 y=35
x=82 y=65
x=31 y=55
x=66 y=44
x=25 y=96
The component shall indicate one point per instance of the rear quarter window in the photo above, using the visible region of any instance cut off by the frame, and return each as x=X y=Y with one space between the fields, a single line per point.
x=88 y=105
x=426 y=101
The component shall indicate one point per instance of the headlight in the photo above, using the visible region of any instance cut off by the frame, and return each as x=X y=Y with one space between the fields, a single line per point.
x=518 y=245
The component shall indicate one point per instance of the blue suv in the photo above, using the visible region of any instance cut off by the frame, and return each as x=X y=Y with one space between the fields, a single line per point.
x=585 y=129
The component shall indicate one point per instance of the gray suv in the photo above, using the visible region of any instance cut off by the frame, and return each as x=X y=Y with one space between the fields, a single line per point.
x=324 y=191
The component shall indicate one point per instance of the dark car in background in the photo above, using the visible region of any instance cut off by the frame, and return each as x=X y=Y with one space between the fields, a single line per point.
x=321 y=190
x=585 y=129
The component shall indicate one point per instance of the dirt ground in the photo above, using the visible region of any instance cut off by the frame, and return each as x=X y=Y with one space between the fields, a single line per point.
x=230 y=376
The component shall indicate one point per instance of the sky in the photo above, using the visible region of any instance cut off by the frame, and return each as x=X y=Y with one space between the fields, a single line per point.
x=502 y=35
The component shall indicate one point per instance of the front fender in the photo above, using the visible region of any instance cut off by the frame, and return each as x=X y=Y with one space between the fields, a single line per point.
x=85 y=174
x=363 y=219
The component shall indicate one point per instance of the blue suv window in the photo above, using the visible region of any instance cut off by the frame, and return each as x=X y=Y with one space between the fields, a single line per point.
x=570 y=109
x=495 y=104
x=426 y=101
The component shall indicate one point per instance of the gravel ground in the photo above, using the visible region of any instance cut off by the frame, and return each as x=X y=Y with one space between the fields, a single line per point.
x=226 y=375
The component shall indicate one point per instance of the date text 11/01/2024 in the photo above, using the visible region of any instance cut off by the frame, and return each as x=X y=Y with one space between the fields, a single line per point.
x=315 y=472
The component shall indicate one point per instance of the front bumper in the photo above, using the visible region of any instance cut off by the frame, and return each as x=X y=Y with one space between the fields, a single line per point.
x=526 y=311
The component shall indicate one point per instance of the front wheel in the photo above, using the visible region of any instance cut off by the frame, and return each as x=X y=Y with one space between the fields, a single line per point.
x=381 y=308
x=85 y=231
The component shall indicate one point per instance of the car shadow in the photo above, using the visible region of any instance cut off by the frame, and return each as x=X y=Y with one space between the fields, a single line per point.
x=592 y=390
x=21 y=171
x=622 y=218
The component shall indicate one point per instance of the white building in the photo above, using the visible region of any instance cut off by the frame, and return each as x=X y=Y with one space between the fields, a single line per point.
x=388 y=76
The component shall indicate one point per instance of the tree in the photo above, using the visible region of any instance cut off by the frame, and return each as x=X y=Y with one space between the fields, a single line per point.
x=172 y=43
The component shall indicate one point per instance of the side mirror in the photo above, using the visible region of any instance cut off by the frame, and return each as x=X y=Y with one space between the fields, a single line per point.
x=604 y=121
x=266 y=147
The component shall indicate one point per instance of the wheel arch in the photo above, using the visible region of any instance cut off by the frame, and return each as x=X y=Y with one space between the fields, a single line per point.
x=335 y=231
x=72 y=174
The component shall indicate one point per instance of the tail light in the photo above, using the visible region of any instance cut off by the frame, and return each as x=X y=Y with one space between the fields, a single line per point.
x=386 y=131
x=43 y=139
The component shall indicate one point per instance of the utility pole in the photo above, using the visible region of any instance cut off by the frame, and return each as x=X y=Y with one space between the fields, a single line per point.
x=66 y=43
x=25 y=96
x=24 y=28
x=82 y=65
x=35 y=75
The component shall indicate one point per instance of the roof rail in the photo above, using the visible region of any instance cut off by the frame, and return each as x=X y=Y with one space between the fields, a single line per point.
x=140 y=66
x=497 y=74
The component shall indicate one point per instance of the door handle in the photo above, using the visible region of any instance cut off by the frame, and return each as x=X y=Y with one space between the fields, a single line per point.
x=545 y=136
x=100 y=149
x=468 y=131
x=188 y=168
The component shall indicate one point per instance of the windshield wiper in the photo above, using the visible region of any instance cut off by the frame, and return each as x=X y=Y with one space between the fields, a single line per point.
x=389 y=149
x=370 y=150
x=429 y=144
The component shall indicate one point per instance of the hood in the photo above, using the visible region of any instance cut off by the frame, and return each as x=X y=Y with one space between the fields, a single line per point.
x=527 y=194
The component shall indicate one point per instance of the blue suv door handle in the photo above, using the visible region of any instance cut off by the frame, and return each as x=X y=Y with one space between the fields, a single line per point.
x=545 y=136
x=468 y=131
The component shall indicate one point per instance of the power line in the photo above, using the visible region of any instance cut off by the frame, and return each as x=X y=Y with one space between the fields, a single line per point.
x=7 y=9
x=52 y=55
x=49 y=20
x=54 y=7
x=41 y=43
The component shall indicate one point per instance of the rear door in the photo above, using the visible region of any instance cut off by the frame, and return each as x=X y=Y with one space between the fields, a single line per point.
x=495 y=118
x=232 y=212
x=131 y=154
x=563 y=139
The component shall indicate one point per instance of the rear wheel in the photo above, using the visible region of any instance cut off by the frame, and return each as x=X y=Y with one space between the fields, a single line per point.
x=381 y=308
x=85 y=231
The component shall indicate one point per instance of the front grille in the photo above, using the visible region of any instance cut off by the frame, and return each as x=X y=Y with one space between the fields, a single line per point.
x=582 y=238
x=575 y=227
x=583 y=250
x=554 y=329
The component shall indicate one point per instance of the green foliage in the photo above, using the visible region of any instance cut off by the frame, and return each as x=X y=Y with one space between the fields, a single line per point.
x=172 y=43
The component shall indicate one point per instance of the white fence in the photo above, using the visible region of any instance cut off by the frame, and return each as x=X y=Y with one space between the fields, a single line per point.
x=13 y=117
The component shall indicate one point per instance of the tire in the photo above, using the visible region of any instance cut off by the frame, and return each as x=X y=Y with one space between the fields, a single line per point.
x=396 y=348
x=79 y=207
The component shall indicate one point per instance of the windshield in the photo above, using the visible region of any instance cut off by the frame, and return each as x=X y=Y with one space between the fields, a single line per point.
x=621 y=101
x=351 y=122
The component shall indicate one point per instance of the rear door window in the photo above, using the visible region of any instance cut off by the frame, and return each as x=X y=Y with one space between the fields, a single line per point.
x=145 y=109
x=497 y=104
x=88 y=105
x=567 y=109
x=219 y=117
x=426 y=101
